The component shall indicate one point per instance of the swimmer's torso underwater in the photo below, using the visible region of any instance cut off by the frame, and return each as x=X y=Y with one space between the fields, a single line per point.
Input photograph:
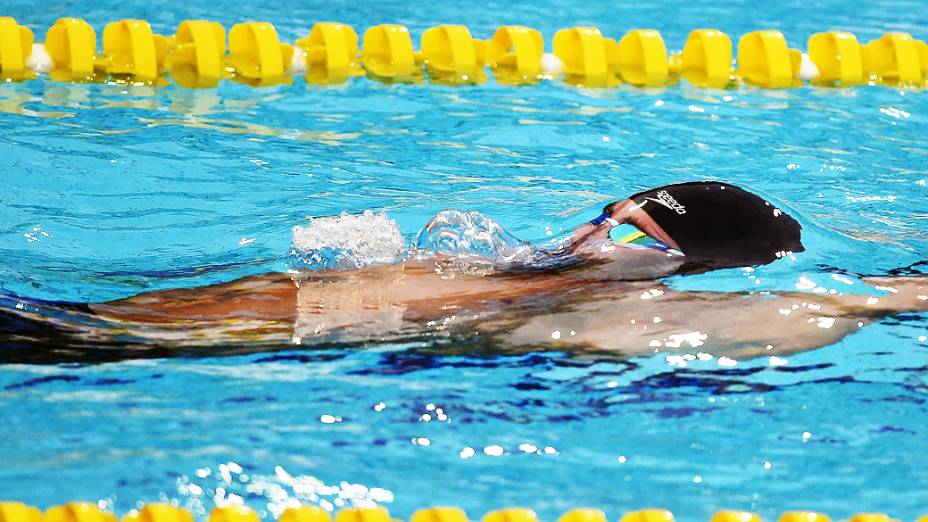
x=469 y=285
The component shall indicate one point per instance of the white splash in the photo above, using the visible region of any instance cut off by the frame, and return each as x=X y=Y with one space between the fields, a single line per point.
x=348 y=241
x=471 y=235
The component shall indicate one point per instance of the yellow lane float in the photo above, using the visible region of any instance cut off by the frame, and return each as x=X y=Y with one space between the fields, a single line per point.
x=895 y=59
x=804 y=516
x=838 y=58
x=642 y=58
x=72 y=46
x=331 y=53
x=585 y=54
x=765 y=60
x=378 y=514
x=871 y=517
x=451 y=55
x=514 y=53
x=159 y=512
x=131 y=49
x=305 y=514
x=78 y=512
x=648 y=515
x=19 y=512
x=439 y=514
x=233 y=514
x=15 y=48
x=257 y=56
x=387 y=53
x=511 y=515
x=706 y=60
x=583 y=515
x=197 y=53
x=735 y=516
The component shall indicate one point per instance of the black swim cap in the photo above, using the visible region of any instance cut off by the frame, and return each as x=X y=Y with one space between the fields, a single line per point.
x=718 y=225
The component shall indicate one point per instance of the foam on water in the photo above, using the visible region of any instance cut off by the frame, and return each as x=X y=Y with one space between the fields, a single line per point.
x=348 y=241
x=471 y=235
x=352 y=241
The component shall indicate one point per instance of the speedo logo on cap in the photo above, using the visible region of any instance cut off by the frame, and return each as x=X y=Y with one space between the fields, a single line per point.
x=664 y=198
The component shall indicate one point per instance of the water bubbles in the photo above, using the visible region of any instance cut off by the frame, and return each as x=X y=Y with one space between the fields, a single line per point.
x=36 y=234
x=471 y=235
x=352 y=241
x=280 y=489
x=348 y=242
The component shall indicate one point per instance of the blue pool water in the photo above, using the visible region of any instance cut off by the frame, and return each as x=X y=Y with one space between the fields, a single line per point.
x=109 y=191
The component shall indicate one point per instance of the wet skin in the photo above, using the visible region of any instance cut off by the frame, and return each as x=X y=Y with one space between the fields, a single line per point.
x=542 y=310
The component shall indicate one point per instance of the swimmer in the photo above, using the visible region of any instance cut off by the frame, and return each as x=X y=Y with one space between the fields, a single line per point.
x=599 y=291
x=704 y=225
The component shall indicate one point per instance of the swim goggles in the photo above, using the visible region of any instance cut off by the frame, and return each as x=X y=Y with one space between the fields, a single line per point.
x=630 y=235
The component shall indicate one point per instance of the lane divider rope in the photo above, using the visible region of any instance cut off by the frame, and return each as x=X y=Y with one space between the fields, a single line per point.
x=160 y=512
x=199 y=55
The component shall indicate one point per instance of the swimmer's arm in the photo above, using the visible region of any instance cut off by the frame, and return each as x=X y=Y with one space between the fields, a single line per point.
x=273 y=297
x=731 y=324
x=267 y=296
x=815 y=320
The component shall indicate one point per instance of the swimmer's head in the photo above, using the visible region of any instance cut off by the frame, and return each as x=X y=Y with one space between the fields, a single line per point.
x=706 y=225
